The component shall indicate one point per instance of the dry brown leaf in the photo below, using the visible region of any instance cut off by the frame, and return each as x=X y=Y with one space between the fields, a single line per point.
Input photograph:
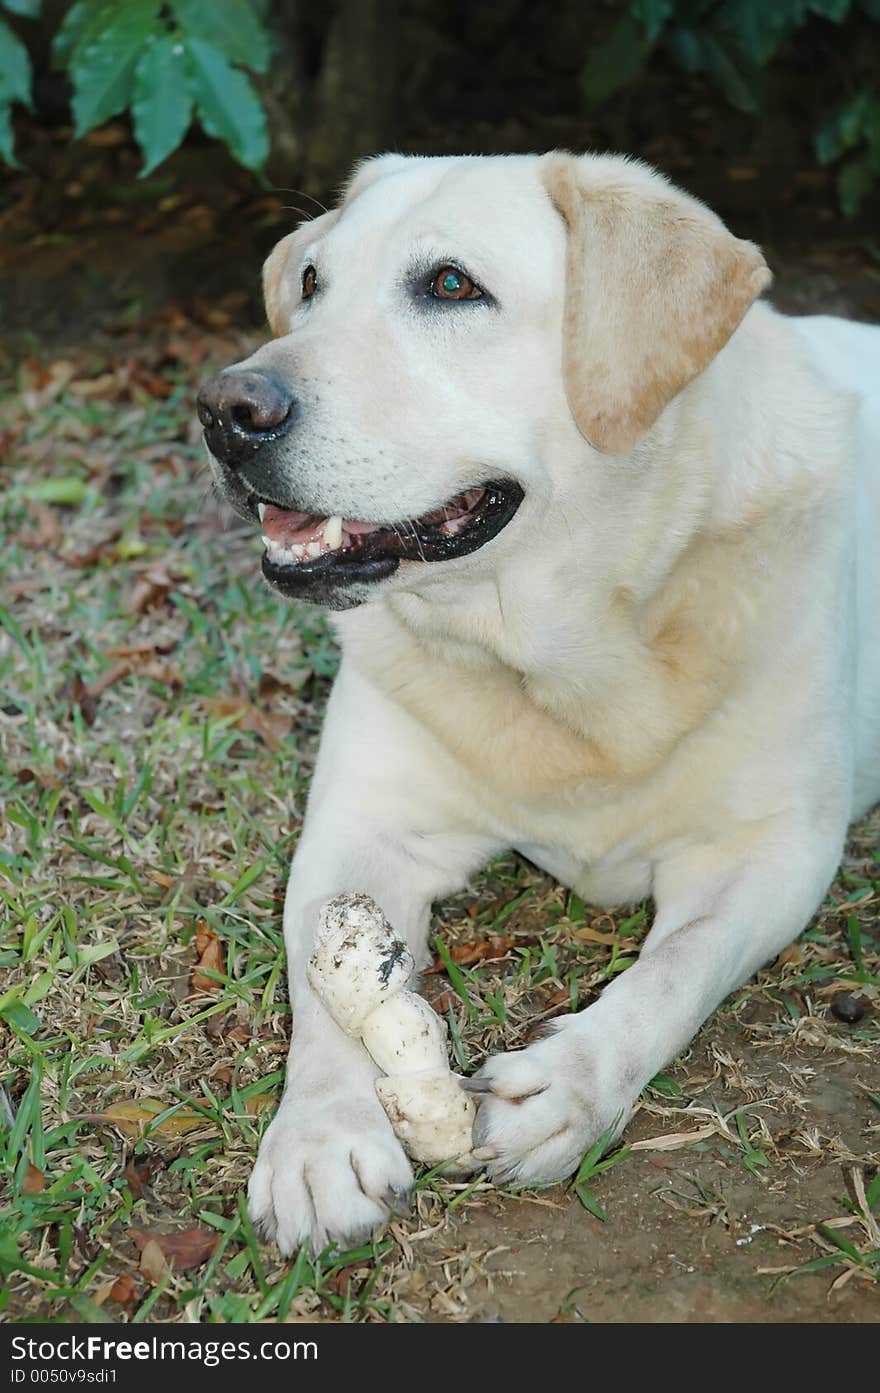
x=136 y=1176
x=48 y=532
x=183 y=1250
x=672 y=1141
x=480 y=951
x=211 y=959
x=132 y=1117
x=76 y=693
x=34 y=776
x=594 y=936
x=160 y=671
x=124 y=1289
x=443 y=1000
x=561 y=998
x=152 y=1264
x=254 y=1105
x=34 y=1181
x=150 y=589
x=270 y=726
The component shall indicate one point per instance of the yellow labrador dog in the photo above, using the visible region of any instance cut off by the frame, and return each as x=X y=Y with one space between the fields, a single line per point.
x=602 y=535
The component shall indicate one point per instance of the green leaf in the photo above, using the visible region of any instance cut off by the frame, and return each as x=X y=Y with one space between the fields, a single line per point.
x=15 y=68
x=85 y=17
x=103 y=62
x=835 y=10
x=687 y=50
x=761 y=27
x=28 y=9
x=228 y=106
x=614 y=63
x=162 y=104
x=854 y=182
x=590 y=1203
x=68 y=491
x=720 y=66
x=230 y=25
x=7 y=139
x=653 y=14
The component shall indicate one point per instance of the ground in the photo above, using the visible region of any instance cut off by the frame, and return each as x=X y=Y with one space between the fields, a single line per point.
x=160 y=712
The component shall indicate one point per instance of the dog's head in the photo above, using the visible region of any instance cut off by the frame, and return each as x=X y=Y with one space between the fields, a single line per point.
x=444 y=338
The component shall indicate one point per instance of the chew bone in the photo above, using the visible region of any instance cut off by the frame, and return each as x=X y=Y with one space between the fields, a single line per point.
x=359 y=970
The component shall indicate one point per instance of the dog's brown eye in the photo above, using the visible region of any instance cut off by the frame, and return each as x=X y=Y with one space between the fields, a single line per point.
x=451 y=284
x=310 y=282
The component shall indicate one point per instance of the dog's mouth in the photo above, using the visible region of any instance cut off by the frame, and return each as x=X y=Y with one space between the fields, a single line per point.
x=304 y=548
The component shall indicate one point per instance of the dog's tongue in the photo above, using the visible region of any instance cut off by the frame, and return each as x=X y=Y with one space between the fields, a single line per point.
x=289 y=528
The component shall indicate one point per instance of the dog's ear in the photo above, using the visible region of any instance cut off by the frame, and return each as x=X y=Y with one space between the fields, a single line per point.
x=281 y=291
x=655 y=286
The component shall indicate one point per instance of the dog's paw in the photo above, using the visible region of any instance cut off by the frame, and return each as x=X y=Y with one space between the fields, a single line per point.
x=541 y=1108
x=329 y=1170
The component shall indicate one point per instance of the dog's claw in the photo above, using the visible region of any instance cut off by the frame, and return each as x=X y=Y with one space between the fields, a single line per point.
x=477 y=1085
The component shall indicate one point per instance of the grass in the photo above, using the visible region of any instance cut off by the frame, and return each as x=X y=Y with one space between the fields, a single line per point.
x=160 y=713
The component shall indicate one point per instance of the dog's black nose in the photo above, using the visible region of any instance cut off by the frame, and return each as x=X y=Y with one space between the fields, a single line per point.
x=241 y=411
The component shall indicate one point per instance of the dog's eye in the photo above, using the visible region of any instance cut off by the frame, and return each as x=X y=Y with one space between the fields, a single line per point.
x=309 y=282
x=451 y=284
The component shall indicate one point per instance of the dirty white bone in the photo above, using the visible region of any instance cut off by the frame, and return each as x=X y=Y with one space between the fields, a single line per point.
x=359 y=970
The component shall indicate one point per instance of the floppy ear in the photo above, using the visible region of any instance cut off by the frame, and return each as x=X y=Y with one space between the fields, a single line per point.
x=281 y=291
x=655 y=286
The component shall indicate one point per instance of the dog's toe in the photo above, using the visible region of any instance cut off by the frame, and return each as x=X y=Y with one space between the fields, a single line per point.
x=326 y=1174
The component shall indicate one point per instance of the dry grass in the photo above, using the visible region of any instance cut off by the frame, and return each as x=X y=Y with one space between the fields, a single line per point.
x=159 y=712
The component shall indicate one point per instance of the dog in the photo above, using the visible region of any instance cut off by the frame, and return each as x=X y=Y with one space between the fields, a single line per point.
x=600 y=531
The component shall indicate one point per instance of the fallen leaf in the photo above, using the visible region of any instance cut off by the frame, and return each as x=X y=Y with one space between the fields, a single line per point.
x=136 y=1175
x=34 y=1181
x=34 y=776
x=48 y=532
x=159 y=671
x=492 y=947
x=270 y=726
x=153 y=1264
x=150 y=589
x=124 y=1289
x=672 y=1141
x=132 y=1117
x=254 y=1105
x=341 y=1280
x=76 y=693
x=561 y=998
x=443 y=1000
x=183 y=1250
x=594 y=936
x=211 y=959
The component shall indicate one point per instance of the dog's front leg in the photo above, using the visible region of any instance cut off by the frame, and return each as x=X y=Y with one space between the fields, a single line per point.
x=721 y=913
x=330 y=1166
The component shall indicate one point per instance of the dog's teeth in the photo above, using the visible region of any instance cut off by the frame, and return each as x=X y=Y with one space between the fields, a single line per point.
x=261 y=508
x=298 y=550
x=314 y=549
x=333 y=533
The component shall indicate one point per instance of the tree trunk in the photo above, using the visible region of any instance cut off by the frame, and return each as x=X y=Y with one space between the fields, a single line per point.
x=330 y=95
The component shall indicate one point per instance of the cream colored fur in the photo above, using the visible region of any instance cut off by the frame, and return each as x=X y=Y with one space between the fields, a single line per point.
x=662 y=678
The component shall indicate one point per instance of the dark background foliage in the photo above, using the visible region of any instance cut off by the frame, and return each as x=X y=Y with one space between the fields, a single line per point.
x=190 y=123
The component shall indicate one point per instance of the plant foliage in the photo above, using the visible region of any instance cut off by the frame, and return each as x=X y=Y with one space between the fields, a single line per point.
x=732 y=43
x=164 y=61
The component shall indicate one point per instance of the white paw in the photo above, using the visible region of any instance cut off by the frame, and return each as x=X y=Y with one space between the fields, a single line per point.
x=541 y=1108
x=329 y=1170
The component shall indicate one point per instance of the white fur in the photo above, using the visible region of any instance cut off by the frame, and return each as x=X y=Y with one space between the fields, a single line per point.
x=663 y=677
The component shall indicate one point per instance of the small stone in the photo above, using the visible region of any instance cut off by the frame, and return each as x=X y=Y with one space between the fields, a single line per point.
x=847 y=1007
